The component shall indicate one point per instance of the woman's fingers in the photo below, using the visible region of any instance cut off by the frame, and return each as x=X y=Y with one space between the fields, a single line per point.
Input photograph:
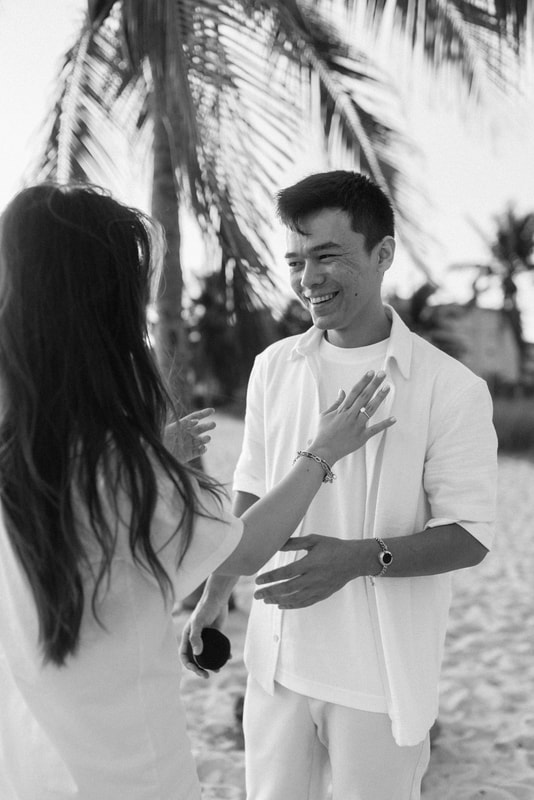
x=196 y=422
x=371 y=407
x=363 y=391
x=194 y=416
x=337 y=402
x=202 y=427
x=367 y=394
x=374 y=403
x=372 y=430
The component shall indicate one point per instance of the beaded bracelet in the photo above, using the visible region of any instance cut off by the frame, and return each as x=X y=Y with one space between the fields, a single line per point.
x=329 y=476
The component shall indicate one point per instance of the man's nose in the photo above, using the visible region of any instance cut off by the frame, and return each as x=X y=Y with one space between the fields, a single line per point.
x=311 y=274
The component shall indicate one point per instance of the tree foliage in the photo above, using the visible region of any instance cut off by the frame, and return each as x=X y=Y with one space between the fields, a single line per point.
x=233 y=89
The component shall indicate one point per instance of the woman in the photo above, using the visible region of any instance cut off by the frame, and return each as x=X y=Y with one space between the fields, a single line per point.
x=102 y=529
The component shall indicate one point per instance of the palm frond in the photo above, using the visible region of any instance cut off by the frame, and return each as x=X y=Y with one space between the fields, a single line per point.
x=339 y=90
x=480 y=42
x=236 y=85
x=99 y=108
x=242 y=133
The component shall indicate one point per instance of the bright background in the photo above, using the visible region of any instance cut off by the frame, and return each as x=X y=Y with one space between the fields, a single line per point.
x=474 y=164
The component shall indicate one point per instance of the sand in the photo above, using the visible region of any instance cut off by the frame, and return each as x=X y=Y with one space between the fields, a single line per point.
x=484 y=747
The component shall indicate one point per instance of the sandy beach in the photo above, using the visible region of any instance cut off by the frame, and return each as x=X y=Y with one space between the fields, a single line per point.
x=484 y=747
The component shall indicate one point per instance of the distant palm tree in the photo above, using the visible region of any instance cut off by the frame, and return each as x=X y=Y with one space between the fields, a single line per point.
x=215 y=99
x=511 y=252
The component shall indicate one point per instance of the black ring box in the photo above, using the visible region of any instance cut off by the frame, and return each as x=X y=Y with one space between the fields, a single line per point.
x=216 y=650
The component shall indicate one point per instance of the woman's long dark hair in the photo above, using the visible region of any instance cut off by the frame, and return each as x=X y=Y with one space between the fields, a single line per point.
x=80 y=395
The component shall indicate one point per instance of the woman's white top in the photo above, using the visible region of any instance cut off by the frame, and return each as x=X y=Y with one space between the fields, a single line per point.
x=109 y=725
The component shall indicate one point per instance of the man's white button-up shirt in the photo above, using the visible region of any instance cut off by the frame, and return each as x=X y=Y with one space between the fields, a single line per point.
x=436 y=465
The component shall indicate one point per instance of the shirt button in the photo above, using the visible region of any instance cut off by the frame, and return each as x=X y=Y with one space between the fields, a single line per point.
x=276 y=638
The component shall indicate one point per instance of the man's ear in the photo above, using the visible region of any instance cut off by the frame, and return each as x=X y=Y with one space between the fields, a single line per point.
x=385 y=250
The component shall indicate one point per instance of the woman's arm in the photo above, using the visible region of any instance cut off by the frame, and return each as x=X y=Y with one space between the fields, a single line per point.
x=270 y=521
x=212 y=608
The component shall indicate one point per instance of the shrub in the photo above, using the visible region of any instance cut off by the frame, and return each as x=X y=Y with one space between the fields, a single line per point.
x=514 y=423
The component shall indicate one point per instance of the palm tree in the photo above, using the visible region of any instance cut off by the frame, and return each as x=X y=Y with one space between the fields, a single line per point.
x=511 y=252
x=214 y=101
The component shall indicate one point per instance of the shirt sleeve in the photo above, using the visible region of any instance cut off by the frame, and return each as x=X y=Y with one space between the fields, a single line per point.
x=215 y=534
x=482 y=531
x=250 y=471
x=461 y=468
x=213 y=540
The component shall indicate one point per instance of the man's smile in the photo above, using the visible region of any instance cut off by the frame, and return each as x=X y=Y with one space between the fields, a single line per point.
x=321 y=298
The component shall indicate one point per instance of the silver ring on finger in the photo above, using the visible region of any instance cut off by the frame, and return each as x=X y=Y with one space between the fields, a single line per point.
x=363 y=410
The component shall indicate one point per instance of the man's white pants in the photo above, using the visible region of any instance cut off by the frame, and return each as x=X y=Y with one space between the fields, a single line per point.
x=299 y=748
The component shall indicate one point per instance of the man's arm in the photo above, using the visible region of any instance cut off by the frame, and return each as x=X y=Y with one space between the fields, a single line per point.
x=459 y=481
x=331 y=563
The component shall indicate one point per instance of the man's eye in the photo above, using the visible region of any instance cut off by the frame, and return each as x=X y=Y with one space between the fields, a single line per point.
x=294 y=264
x=326 y=256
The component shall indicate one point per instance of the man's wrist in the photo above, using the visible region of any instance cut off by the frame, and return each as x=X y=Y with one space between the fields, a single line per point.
x=366 y=558
x=385 y=558
x=362 y=558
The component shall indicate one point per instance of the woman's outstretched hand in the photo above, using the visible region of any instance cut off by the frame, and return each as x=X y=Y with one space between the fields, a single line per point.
x=190 y=439
x=347 y=424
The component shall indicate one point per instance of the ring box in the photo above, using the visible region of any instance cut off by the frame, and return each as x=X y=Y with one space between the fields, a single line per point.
x=216 y=650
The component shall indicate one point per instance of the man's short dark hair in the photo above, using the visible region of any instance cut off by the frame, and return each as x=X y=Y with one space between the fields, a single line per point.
x=368 y=207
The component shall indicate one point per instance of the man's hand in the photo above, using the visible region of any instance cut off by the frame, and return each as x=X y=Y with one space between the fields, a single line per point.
x=189 y=440
x=329 y=564
x=208 y=614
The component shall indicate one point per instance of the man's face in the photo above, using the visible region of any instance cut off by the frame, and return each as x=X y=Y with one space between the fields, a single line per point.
x=337 y=279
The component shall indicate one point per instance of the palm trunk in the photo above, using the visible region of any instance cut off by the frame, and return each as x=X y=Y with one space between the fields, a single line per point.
x=513 y=315
x=171 y=342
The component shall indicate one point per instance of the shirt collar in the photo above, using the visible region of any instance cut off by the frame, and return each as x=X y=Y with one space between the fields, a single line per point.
x=400 y=344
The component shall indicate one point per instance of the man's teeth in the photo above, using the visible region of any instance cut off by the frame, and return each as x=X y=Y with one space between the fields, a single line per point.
x=321 y=299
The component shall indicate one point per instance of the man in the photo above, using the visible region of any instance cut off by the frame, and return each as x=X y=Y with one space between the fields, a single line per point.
x=346 y=633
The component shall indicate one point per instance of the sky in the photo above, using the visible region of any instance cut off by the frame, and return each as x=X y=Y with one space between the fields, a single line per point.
x=473 y=164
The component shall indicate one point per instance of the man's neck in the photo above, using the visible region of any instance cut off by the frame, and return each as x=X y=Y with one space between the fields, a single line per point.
x=360 y=337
